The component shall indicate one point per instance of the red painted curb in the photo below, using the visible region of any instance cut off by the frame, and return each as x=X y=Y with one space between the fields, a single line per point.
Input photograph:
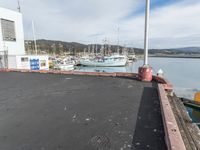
x=118 y=74
x=173 y=136
x=167 y=85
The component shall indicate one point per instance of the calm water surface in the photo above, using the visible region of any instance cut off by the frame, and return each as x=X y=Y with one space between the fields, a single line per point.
x=183 y=73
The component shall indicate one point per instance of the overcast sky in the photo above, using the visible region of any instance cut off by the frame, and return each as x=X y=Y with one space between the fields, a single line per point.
x=173 y=23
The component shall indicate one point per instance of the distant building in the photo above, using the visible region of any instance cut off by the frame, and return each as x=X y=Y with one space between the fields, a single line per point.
x=12 y=50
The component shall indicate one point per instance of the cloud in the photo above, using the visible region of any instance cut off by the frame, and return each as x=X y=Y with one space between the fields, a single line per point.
x=171 y=25
x=174 y=25
x=75 y=20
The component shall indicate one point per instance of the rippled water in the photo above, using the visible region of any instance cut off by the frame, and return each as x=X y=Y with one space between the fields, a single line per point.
x=183 y=73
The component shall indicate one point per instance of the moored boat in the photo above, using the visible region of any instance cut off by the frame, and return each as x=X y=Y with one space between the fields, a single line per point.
x=66 y=64
x=67 y=67
x=107 y=61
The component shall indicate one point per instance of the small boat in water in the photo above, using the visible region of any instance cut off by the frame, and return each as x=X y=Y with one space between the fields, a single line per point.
x=67 y=67
x=106 y=61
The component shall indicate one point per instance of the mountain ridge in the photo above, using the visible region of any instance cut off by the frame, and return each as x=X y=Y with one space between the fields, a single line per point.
x=56 y=46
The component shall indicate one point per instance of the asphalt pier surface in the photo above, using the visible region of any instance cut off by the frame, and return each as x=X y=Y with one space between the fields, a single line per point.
x=71 y=112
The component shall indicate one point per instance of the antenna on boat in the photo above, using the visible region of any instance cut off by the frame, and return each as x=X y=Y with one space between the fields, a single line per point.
x=19 y=8
x=34 y=37
x=145 y=72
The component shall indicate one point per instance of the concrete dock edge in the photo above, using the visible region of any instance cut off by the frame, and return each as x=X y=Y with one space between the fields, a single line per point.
x=173 y=136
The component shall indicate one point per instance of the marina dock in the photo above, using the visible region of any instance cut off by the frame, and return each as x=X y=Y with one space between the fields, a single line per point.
x=59 y=110
x=46 y=104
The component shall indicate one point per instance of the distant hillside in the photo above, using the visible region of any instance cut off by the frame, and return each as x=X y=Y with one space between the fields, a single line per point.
x=174 y=51
x=189 y=49
x=57 y=47
x=50 y=46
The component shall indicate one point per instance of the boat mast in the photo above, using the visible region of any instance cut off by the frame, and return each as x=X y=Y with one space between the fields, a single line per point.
x=84 y=51
x=96 y=49
x=109 y=48
x=34 y=37
x=146 y=34
x=118 y=40
x=93 y=49
x=102 y=50
x=104 y=46
x=89 y=49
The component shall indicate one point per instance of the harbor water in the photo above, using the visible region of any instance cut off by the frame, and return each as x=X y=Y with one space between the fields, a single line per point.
x=181 y=72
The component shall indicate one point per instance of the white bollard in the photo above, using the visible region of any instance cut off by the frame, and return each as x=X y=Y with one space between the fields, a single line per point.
x=160 y=73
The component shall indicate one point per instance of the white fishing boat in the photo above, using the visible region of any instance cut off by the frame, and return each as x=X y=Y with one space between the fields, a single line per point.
x=106 y=61
x=66 y=64
x=66 y=67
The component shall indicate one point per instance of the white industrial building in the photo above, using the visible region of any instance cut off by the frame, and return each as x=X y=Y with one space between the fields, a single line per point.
x=12 y=50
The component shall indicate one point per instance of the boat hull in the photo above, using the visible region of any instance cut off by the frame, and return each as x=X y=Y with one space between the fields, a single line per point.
x=104 y=64
x=66 y=67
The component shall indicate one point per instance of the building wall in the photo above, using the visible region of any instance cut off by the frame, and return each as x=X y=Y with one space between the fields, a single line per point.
x=12 y=61
x=13 y=47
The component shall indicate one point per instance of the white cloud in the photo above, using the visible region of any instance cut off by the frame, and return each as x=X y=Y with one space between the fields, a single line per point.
x=76 y=20
x=175 y=25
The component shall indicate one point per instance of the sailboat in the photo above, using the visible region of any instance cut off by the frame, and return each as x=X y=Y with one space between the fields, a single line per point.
x=106 y=58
